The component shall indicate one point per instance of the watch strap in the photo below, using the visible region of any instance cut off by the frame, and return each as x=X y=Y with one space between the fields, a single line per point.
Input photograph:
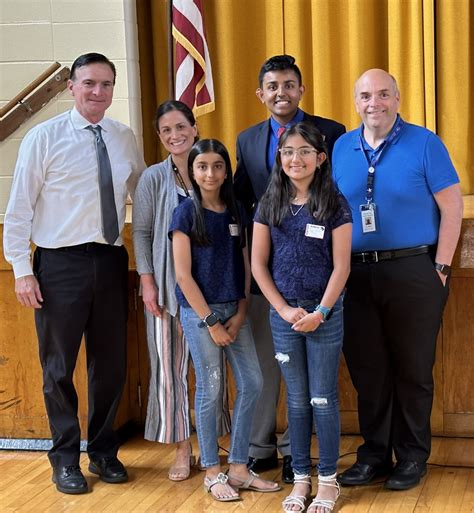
x=443 y=268
x=325 y=311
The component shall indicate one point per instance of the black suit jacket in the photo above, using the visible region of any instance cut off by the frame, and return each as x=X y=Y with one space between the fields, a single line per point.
x=252 y=175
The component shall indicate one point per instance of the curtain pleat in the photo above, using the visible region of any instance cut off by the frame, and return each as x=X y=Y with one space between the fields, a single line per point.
x=455 y=84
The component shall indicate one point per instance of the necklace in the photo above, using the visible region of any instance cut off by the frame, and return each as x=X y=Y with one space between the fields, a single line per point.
x=297 y=212
x=180 y=179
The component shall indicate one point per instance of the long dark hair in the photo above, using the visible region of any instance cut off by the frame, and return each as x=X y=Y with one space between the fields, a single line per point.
x=323 y=195
x=226 y=193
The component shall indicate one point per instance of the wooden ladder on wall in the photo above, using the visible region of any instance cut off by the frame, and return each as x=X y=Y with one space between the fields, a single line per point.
x=32 y=99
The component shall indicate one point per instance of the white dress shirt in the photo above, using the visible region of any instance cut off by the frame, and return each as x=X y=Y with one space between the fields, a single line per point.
x=55 y=199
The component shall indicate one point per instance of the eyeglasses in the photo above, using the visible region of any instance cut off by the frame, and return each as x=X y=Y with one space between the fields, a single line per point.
x=288 y=152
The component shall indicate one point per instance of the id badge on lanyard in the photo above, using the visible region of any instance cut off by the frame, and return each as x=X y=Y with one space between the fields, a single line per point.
x=367 y=214
x=369 y=209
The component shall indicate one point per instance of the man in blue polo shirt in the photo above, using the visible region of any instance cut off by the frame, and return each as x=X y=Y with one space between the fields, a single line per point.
x=407 y=208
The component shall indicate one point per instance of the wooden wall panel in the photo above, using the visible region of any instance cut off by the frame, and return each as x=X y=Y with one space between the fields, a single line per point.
x=458 y=330
x=437 y=412
x=22 y=413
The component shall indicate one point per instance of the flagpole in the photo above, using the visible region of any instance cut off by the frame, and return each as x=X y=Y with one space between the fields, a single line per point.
x=171 y=90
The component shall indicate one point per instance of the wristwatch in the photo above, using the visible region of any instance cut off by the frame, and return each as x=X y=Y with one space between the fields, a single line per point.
x=443 y=268
x=209 y=321
x=326 y=312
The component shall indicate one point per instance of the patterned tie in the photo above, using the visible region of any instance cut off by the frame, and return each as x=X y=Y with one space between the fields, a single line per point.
x=280 y=131
x=110 y=229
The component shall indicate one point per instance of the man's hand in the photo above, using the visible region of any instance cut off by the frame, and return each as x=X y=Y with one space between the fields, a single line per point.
x=28 y=292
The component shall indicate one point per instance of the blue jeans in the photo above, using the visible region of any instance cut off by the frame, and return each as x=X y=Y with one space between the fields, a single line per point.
x=309 y=363
x=207 y=360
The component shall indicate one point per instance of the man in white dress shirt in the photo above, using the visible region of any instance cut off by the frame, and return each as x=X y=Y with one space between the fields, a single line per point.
x=77 y=282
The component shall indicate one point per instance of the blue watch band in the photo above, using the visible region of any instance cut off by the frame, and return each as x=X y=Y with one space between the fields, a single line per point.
x=324 y=310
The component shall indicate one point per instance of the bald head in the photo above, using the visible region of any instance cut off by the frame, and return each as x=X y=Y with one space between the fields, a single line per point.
x=376 y=74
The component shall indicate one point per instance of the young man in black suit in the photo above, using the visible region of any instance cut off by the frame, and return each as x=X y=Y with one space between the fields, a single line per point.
x=280 y=89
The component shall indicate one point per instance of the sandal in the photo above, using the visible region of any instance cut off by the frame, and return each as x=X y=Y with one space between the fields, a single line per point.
x=327 y=504
x=298 y=500
x=183 y=472
x=222 y=479
x=240 y=484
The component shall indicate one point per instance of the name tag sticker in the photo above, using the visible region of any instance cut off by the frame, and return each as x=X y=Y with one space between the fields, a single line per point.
x=315 y=231
x=234 y=230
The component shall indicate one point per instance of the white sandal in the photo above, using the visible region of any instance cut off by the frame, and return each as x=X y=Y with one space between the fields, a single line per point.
x=222 y=479
x=298 y=500
x=327 y=504
x=242 y=484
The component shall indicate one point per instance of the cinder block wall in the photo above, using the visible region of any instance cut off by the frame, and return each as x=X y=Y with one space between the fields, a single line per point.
x=36 y=33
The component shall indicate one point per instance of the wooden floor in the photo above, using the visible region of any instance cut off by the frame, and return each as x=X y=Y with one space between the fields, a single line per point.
x=25 y=485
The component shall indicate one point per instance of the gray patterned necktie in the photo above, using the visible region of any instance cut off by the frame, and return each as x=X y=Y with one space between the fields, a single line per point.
x=110 y=229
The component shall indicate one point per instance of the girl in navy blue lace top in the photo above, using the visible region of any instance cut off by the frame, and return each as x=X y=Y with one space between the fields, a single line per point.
x=301 y=260
x=213 y=276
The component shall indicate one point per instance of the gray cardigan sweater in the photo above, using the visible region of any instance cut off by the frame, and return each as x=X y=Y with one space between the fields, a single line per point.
x=154 y=201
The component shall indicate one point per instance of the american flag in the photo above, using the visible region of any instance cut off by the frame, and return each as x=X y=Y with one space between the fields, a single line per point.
x=194 y=84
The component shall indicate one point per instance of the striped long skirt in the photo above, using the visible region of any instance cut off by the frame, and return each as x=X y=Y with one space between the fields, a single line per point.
x=168 y=417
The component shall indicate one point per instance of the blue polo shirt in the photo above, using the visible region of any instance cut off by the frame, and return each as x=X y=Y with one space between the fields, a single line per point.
x=218 y=269
x=414 y=167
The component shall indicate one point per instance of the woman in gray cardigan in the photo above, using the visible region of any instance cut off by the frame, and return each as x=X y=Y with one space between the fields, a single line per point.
x=160 y=189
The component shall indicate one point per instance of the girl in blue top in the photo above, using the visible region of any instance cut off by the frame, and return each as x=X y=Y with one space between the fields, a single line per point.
x=301 y=259
x=213 y=277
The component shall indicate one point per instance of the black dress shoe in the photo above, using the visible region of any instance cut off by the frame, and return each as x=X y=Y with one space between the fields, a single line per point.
x=287 y=471
x=109 y=470
x=362 y=474
x=405 y=475
x=70 y=479
x=258 y=465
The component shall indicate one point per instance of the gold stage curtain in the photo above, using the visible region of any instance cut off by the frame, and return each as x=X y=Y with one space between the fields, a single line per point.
x=426 y=44
x=455 y=83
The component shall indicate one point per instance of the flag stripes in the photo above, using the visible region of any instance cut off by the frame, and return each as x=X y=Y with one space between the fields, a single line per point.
x=194 y=84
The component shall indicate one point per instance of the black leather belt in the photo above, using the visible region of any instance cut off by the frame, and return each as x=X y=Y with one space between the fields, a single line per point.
x=372 y=257
x=85 y=247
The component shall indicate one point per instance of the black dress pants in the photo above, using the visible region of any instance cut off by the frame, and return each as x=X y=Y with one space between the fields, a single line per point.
x=84 y=292
x=392 y=315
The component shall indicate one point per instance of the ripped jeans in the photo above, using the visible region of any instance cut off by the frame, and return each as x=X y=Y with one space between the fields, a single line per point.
x=309 y=363
x=207 y=361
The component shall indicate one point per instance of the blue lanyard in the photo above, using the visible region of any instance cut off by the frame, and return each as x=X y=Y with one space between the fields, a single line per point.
x=373 y=160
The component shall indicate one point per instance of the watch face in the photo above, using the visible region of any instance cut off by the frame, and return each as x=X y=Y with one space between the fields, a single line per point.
x=443 y=268
x=212 y=319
